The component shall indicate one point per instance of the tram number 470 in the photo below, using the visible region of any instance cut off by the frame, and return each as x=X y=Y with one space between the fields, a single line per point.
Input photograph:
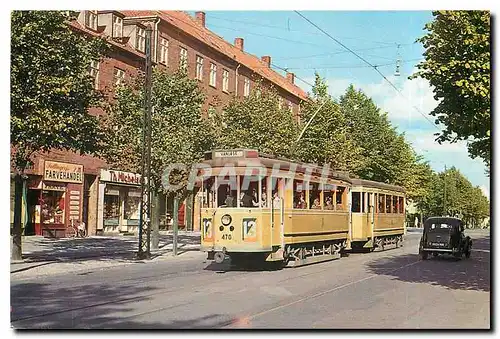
x=226 y=237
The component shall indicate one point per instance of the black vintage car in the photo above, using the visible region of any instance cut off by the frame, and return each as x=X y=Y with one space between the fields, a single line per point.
x=444 y=235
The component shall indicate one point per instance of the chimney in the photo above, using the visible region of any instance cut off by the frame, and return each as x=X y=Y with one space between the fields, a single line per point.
x=238 y=42
x=290 y=77
x=267 y=60
x=200 y=18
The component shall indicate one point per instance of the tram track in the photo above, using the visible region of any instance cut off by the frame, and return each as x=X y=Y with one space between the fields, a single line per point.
x=287 y=274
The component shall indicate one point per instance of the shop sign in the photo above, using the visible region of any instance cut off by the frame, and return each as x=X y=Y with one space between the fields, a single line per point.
x=53 y=187
x=63 y=172
x=120 y=177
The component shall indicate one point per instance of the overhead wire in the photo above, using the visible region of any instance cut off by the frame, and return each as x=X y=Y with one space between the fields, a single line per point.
x=372 y=66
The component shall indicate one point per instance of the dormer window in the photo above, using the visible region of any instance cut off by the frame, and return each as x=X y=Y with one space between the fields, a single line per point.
x=91 y=19
x=117 y=27
x=140 y=41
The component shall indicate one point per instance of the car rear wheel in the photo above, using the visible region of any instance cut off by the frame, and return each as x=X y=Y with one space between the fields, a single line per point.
x=423 y=255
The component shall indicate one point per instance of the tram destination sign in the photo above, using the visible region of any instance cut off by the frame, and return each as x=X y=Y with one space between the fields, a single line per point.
x=62 y=172
x=228 y=154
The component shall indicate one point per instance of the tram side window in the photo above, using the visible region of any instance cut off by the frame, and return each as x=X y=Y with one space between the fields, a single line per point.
x=388 y=199
x=208 y=193
x=356 y=202
x=226 y=193
x=314 y=196
x=381 y=203
x=299 y=195
x=249 y=192
x=328 y=195
x=275 y=187
x=264 y=197
x=339 y=195
x=363 y=202
x=401 y=205
x=395 y=204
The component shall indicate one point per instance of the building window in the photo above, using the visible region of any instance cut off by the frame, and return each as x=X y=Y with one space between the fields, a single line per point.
x=199 y=67
x=118 y=76
x=213 y=74
x=91 y=19
x=225 y=80
x=140 y=42
x=94 y=72
x=246 y=89
x=117 y=27
x=183 y=58
x=164 y=51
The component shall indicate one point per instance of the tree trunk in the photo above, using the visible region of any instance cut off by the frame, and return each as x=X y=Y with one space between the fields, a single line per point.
x=16 y=253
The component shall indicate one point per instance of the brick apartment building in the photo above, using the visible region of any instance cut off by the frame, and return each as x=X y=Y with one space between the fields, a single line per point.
x=63 y=185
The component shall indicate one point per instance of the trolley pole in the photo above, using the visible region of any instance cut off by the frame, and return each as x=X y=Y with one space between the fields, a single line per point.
x=176 y=223
x=145 y=212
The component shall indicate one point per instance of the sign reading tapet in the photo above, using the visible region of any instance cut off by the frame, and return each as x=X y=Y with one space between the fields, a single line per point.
x=62 y=172
x=121 y=177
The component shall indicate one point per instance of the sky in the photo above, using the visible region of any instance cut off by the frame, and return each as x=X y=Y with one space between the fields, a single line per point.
x=380 y=37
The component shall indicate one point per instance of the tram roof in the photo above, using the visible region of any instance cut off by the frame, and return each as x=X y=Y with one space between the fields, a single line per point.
x=244 y=157
x=376 y=184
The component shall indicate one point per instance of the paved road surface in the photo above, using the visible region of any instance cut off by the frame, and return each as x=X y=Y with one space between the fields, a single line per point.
x=383 y=290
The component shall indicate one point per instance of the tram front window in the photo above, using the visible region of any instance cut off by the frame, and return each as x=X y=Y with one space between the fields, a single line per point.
x=226 y=192
x=249 y=191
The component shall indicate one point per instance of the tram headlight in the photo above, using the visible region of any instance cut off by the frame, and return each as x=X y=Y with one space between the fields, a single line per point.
x=226 y=219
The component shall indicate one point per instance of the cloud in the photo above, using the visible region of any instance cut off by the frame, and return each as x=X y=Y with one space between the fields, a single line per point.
x=486 y=191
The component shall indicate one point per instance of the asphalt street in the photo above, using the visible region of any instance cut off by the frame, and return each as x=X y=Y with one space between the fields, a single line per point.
x=381 y=290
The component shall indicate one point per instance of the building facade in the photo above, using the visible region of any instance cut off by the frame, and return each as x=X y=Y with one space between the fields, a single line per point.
x=65 y=186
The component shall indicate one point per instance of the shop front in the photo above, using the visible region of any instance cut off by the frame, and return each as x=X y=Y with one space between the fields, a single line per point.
x=119 y=202
x=55 y=198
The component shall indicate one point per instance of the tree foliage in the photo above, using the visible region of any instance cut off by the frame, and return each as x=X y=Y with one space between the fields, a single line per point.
x=452 y=194
x=457 y=64
x=327 y=139
x=51 y=90
x=179 y=132
x=256 y=121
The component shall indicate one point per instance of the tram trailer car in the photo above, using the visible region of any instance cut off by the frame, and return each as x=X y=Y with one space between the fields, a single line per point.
x=378 y=215
x=290 y=224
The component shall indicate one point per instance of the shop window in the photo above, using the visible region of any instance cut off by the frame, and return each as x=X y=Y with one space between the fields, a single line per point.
x=381 y=203
x=339 y=195
x=52 y=207
x=356 y=202
x=112 y=204
x=133 y=204
x=299 y=195
x=314 y=196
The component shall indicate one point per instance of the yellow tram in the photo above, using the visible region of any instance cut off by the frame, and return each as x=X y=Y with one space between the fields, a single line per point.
x=377 y=214
x=254 y=207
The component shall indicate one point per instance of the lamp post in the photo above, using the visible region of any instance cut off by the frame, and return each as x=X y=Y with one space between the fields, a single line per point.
x=145 y=213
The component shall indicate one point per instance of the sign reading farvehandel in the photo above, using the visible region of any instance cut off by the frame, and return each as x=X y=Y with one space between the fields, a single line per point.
x=63 y=172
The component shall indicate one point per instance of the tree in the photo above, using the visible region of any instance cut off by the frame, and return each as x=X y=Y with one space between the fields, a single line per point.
x=327 y=139
x=179 y=133
x=257 y=122
x=457 y=65
x=51 y=92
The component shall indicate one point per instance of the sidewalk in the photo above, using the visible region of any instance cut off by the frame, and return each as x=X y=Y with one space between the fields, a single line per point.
x=101 y=251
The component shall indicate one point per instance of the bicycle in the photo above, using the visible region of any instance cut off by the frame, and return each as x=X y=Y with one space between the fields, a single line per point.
x=78 y=231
